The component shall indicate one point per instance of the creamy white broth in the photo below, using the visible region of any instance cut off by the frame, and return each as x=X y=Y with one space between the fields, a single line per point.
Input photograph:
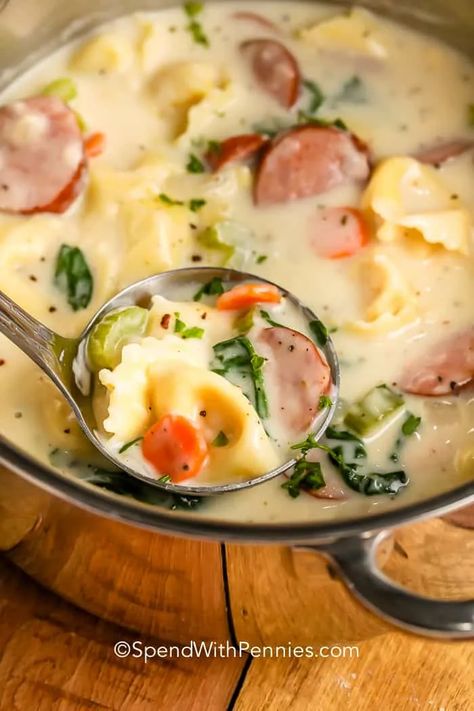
x=416 y=97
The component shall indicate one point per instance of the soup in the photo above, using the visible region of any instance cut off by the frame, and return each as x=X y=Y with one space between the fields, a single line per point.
x=328 y=152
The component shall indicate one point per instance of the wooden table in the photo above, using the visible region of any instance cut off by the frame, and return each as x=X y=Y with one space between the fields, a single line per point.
x=55 y=657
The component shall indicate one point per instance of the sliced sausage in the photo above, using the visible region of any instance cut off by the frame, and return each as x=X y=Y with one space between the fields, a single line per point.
x=274 y=68
x=298 y=375
x=464 y=518
x=42 y=162
x=235 y=148
x=308 y=160
x=444 y=151
x=337 y=232
x=448 y=367
x=254 y=17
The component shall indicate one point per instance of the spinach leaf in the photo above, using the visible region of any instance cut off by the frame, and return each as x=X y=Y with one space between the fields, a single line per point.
x=266 y=316
x=121 y=483
x=239 y=354
x=360 y=451
x=214 y=287
x=306 y=476
x=367 y=483
x=316 y=95
x=409 y=427
x=319 y=331
x=73 y=276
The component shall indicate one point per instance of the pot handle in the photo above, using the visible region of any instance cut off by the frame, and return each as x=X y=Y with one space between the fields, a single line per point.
x=355 y=559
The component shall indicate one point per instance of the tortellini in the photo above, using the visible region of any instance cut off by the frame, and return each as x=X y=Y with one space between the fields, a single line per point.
x=178 y=88
x=109 y=188
x=157 y=237
x=390 y=304
x=356 y=32
x=170 y=375
x=406 y=197
x=104 y=53
x=129 y=408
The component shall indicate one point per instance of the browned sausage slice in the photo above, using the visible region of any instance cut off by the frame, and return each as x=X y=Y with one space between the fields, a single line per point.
x=42 y=161
x=444 y=151
x=308 y=160
x=298 y=375
x=448 y=367
x=234 y=148
x=274 y=68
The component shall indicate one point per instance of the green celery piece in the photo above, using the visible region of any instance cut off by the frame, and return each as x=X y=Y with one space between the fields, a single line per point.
x=63 y=88
x=373 y=410
x=212 y=238
x=105 y=342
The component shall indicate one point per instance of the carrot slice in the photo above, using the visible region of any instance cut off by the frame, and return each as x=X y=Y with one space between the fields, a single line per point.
x=94 y=144
x=245 y=295
x=338 y=232
x=175 y=446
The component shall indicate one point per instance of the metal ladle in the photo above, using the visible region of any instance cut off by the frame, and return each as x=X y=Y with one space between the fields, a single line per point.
x=56 y=355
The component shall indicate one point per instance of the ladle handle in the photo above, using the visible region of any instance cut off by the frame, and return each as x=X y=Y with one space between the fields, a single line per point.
x=31 y=336
x=355 y=559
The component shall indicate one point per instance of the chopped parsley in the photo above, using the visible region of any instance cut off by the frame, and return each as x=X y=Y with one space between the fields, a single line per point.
x=324 y=401
x=220 y=440
x=214 y=287
x=127 y=445
x=411 y=424
x=166 y=200
x=184 y=331
x=194 y=165
x=261 y=258
x=195 y=204
x=193 y=10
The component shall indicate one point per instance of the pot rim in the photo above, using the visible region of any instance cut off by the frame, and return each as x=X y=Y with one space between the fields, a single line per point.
x=130 y=511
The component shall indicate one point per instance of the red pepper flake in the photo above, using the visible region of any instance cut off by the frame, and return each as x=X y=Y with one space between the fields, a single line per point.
x=165 y=320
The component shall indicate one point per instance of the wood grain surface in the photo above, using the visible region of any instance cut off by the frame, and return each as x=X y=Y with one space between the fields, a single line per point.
x=54 y=657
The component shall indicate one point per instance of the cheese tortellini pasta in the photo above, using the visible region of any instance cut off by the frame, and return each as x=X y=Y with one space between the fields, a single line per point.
x=405 y=198
x=390 y=299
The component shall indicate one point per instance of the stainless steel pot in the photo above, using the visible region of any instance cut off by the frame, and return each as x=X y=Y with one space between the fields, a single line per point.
x=36 y=500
